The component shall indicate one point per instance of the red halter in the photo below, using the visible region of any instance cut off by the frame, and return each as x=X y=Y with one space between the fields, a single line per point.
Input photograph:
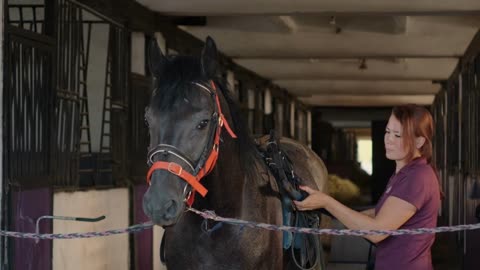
x=194 y=180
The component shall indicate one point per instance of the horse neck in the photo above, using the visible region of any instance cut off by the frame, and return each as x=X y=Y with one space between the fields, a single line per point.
x=230 y=190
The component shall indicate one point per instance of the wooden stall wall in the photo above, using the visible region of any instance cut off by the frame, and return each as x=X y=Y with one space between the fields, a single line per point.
x=456 y=153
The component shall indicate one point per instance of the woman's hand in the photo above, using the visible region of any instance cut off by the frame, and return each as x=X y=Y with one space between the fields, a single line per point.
x=316 y=199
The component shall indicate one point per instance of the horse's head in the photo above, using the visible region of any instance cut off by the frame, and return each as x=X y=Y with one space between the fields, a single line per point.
x=184 y=118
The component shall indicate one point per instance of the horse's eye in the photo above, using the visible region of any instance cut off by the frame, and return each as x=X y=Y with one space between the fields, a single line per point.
x=146 y=123
x=202 y=124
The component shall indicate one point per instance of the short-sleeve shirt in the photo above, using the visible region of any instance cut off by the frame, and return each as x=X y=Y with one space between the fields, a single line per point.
x=417 y=184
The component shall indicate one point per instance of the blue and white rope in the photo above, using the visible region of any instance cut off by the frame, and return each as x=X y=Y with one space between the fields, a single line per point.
x=131 y=229
x=211 y=215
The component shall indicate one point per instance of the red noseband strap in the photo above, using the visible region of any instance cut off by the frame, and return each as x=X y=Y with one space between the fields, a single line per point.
x=176 y=169
x=194 y=180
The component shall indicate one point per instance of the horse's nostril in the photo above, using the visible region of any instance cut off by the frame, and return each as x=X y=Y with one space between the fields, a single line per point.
x=170 y=209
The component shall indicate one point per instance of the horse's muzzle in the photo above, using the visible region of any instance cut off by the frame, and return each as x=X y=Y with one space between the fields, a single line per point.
x=161 y=212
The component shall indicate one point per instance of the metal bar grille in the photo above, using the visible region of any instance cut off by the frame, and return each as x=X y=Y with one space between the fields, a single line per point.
x=29 y=17
x=67 y=113
x=46 y=104
x=27 y=107
x=112 y=159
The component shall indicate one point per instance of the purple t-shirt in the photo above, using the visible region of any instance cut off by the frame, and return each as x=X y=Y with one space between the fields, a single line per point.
x=417 y=184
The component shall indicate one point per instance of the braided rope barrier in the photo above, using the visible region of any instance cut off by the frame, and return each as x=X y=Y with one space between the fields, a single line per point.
x=211 y=215
x=132 y=229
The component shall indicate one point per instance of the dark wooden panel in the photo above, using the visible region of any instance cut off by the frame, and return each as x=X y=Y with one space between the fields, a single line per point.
x=26 y=208
x=143 y=241
x=138 y=132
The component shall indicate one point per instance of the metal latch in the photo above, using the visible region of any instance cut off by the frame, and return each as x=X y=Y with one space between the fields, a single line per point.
x=82 y=219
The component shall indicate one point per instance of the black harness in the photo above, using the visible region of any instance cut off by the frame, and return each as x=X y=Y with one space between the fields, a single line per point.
x=305 y=249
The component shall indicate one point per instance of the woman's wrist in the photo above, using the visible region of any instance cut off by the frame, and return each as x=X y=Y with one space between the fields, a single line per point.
x=329 y=201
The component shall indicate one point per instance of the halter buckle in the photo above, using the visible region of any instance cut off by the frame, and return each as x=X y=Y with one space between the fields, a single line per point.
x=220 y=120
x=175 y=168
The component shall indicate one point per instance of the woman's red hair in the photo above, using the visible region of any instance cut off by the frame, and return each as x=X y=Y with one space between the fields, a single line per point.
x=417 y=122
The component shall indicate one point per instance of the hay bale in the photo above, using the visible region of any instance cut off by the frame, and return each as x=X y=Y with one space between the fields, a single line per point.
x=342 y=189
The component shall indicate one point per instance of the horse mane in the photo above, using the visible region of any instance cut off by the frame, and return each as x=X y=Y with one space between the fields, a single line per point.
x=179 y=73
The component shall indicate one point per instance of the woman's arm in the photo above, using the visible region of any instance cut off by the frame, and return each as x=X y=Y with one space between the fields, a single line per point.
x=369 y=212
x=393 y=214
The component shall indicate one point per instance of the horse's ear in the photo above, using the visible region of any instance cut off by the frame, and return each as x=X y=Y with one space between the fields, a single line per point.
x=156 y=59
x=209 y=58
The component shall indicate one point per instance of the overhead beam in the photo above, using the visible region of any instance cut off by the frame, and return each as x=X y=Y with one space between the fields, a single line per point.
x=412 y=69
x=328 y=7
x=331 y=13
x=241 y=44
x=355 y=87
x=366 y=100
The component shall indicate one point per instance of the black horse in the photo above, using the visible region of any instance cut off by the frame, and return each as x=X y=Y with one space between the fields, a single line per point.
x=191 y=119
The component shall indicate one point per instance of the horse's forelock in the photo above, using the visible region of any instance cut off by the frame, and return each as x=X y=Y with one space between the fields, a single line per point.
x=175 y=82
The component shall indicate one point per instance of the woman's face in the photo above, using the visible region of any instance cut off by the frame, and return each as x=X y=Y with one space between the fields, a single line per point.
x=394 y=148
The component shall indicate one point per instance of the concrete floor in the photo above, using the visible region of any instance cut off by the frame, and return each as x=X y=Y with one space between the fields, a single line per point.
x=445 y=254
x=348 y=252
x=351 y=252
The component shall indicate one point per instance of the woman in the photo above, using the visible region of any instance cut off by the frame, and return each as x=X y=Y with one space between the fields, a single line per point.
x=411 y=198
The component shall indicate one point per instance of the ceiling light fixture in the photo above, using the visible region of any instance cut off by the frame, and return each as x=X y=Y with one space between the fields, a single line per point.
x=363 y=64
